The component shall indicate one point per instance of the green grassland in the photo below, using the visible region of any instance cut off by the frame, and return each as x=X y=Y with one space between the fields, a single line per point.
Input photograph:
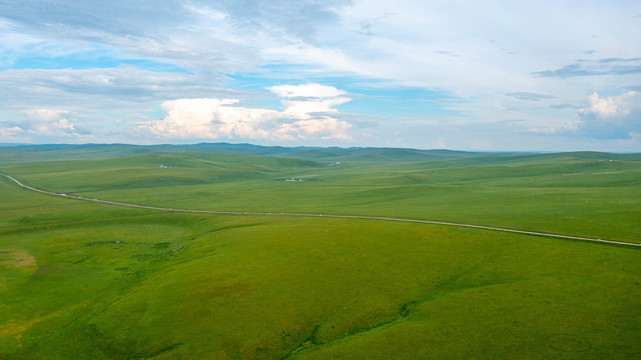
x=83 y=280
x=583 y=194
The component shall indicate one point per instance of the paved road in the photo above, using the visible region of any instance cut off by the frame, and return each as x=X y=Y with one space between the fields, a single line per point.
x=363 y=217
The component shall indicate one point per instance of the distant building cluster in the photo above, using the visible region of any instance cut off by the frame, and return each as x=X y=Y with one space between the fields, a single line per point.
x=164 y=166
x=334 y=163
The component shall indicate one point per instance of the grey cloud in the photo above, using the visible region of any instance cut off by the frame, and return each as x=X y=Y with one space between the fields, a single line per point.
x=523 y=95
x=165 y=31
x=297 y=18
x=113 y=17
x=606 y=66
x=447 y=53
x=619 y=128
x=123 y=87
x=366 y=29
x=201 y=36
x=366 y=26
x=566 y=71
x=564 y=106
x=616 y=60
x=93 y=20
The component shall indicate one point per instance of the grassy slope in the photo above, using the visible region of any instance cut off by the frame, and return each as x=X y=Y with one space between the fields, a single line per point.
x=189 y=286
x=582 y=194
x=81 y=280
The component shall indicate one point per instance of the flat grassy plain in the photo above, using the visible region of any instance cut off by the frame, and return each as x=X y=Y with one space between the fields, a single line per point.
x=82 y=280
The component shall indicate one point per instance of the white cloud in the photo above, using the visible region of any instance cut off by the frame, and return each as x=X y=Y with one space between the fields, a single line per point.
x=50 y=122
x=45 y=115
x=12 y=133
x=300 y=100
x=44 y=124
x=326 y=128
x=613 y=106
x=613 y=117
x=211 y=118
x=306 y=90
x=311 y=106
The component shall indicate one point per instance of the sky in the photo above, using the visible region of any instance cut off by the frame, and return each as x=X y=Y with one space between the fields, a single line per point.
x=483 y=75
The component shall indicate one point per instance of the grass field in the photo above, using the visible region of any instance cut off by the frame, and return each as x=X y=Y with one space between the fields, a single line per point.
x=81 y=280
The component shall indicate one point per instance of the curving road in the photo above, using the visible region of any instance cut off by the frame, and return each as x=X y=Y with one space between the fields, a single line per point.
x=363 y=217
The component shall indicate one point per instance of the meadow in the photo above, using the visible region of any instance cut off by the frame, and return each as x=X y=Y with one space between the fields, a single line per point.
x=83 y=280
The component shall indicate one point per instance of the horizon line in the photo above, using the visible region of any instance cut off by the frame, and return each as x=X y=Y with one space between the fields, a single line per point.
x=9 y=145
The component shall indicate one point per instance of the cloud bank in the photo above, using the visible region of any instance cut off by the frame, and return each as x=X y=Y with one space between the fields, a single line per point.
x=308 y=113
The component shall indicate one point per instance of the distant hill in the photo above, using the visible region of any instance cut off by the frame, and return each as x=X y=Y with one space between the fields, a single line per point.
x=13 y=144
x=11 y=153
x=19 y=153
x=23 y=153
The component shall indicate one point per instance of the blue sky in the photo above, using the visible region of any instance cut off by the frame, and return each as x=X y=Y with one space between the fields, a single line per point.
x=488 y=75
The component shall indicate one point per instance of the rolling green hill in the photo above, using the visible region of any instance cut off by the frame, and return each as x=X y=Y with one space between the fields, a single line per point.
x=571 y=193
x=26 y=153
x=84 y=280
